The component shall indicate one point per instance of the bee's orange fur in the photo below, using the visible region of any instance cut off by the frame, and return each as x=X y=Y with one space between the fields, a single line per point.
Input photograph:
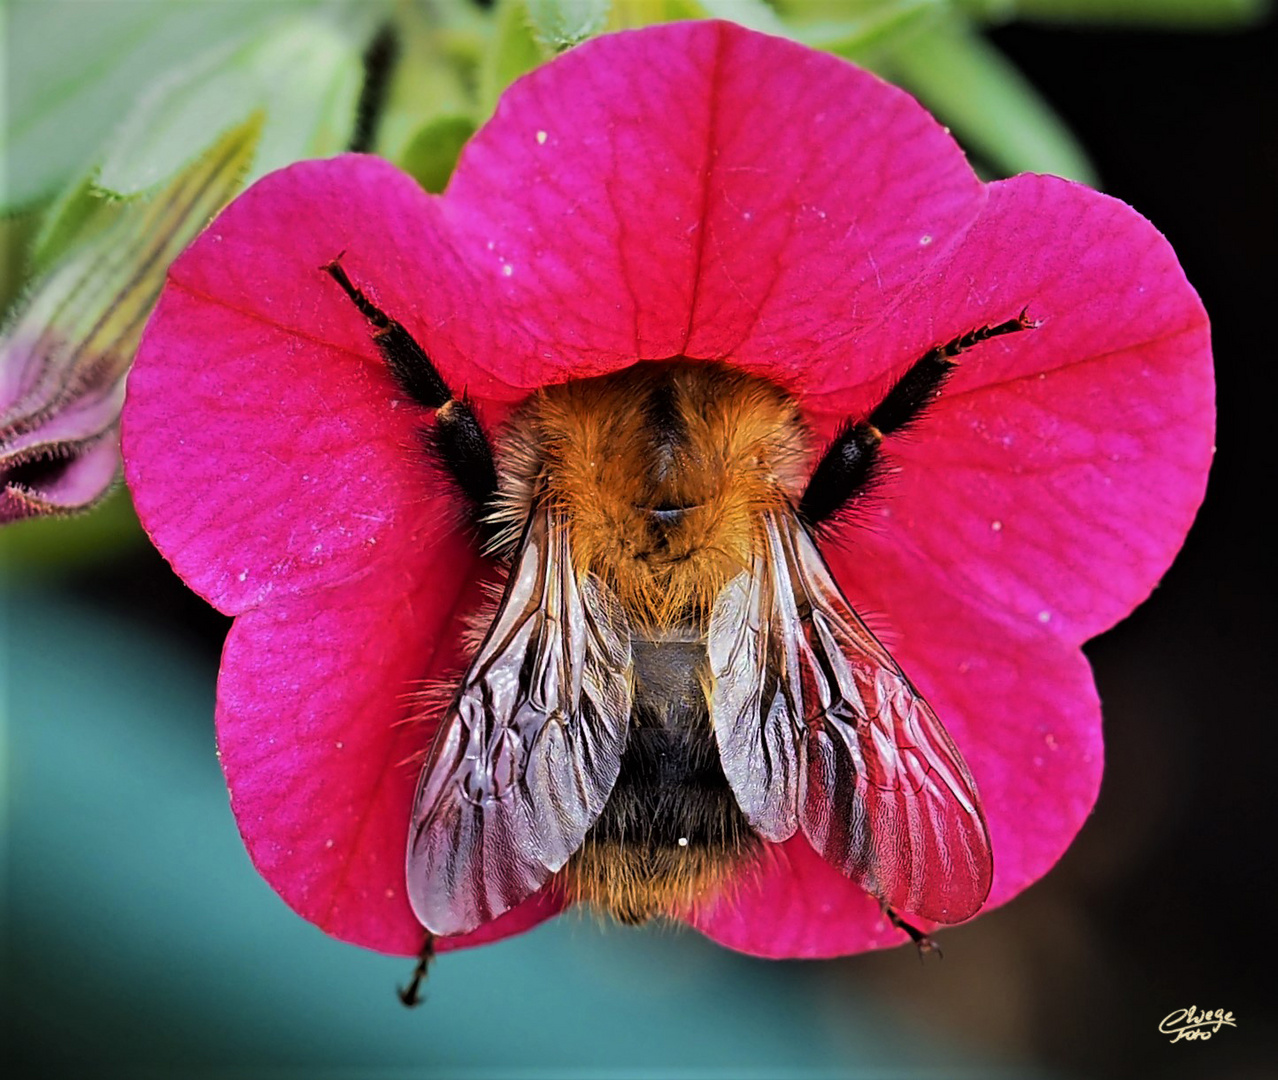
x=593 y=445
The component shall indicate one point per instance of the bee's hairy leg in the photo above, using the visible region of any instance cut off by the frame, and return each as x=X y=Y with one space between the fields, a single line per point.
x=410 y=995
x=455 y=440
x=922 y=942
x=848 y=467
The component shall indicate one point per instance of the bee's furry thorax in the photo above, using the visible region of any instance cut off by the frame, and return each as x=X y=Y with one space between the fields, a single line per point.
x=664 y=469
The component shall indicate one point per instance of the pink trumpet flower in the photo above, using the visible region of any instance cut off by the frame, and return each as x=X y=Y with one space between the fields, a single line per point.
x=694 y=190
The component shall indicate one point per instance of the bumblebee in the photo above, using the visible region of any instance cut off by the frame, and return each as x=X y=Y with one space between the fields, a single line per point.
x=672 y=677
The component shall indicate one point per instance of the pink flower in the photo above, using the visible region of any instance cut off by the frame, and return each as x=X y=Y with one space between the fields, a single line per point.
x=697 y=190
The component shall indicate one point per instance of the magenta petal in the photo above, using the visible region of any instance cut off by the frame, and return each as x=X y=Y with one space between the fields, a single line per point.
x=647 y=196
x=1056 y=477
x=267 y=448
x=1023 y=711
x=321 y=742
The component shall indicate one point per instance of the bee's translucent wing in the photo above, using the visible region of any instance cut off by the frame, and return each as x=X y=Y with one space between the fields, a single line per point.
x=820 y=730
x=529 y=751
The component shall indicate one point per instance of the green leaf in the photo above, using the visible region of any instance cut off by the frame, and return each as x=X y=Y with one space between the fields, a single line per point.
x=1176 y=14
x=885 y=26
x=432 y=154
x=303 y=73
x=16 y=233
x=754 y=14
x=560 y=24
x=74 y=68
x=995 y=113
x=78 y=214
x=435 y=77
x=513 y=51
x=99 y=295
x=629 y=14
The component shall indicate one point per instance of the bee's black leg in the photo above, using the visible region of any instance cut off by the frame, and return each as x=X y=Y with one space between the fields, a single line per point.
x=410 y=995
x=848 y=466
x=922 y=942
x=455 y=440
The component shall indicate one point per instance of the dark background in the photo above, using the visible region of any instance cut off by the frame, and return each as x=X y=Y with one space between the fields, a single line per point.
x=1163 y=901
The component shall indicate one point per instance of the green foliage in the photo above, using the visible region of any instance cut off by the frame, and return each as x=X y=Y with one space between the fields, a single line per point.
x=81 y=212
x=1168 y=14
x=512 y=51
x=74 y=69
x=994 y=111
x=756 y=14
x=104 y=279
x=302 y=73
x=559 y=24
x=872 y=32
x=432 y=155
x=629 y=14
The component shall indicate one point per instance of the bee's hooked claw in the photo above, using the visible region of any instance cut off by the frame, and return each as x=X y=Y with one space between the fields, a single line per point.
x=410 y=995
x=922 y=942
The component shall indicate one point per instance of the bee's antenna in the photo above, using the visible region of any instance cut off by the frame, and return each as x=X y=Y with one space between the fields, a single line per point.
x=410 y=995
x=455 y=440
x=851 y=463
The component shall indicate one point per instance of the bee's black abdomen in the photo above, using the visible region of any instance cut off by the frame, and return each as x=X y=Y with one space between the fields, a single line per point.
x=671 y=793
x=672 y=826
x=672 y=796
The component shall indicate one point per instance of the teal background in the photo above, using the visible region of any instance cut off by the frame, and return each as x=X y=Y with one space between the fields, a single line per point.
x=142 y=939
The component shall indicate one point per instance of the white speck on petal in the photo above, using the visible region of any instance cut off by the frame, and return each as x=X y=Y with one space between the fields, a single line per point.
x=997 y=526
x=340 y=745
x=507 y=269
x=243 y=575
x=1044 y=616
x=541 y=138
x=925 y=239
x=328 y=843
